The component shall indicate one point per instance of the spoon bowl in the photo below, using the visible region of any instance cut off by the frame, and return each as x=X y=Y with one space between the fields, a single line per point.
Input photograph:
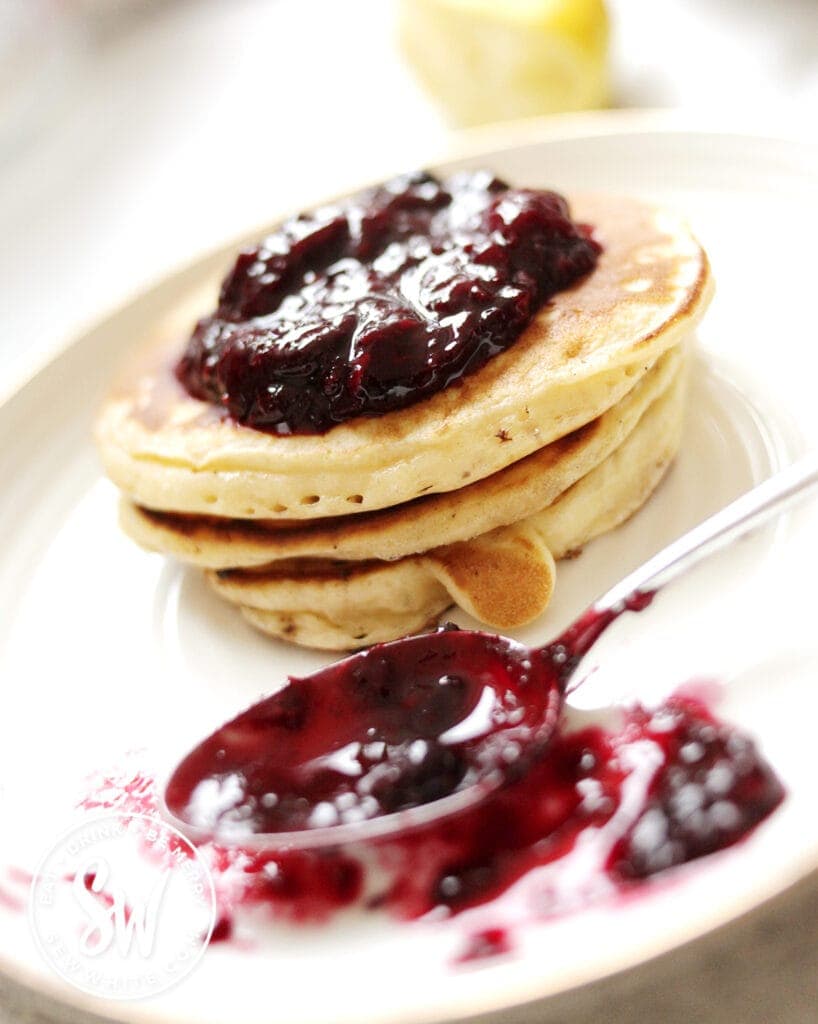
x=386 y=740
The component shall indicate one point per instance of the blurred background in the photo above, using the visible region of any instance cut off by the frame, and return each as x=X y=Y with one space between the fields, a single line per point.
x=136 y=133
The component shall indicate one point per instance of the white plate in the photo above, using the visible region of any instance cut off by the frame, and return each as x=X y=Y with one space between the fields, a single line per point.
x=104 y=649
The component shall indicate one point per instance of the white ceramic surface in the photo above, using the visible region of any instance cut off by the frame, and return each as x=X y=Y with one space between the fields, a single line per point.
x=106 y=649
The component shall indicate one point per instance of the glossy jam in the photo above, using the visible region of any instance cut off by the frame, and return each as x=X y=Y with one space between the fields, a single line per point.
x=375 y=303
x=486 y=944
x=711 y=789
x=605 y=809
x=394 y=728
x=693 y=786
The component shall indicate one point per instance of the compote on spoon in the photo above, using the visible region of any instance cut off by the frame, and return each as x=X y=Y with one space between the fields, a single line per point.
x=410 y=732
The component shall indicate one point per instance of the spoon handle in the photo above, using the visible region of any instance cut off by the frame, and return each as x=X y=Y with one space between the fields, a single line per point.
x=739 y=517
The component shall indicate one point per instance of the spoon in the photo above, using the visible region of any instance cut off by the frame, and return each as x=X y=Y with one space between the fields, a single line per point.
x=406 y=733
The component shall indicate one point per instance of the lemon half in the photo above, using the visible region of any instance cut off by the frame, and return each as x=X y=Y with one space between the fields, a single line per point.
x=490 y=61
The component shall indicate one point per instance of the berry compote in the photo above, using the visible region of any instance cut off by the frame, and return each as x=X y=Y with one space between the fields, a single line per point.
x=420 y=720
x=394 y=728
x=381 y=300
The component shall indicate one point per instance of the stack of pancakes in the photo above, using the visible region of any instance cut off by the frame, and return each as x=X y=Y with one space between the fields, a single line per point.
x=374 y=529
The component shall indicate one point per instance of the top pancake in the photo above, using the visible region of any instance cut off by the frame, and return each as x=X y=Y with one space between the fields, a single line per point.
x=516 y=492
x=582 y=353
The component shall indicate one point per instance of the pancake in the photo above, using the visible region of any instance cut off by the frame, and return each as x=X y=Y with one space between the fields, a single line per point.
x=583 y=352
x=504 y=578
x=344 y=609
x=505 y=497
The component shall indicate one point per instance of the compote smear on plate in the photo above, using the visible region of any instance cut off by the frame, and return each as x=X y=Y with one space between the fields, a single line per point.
x=381 y=300
x=406 y=724
x=606 y=808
